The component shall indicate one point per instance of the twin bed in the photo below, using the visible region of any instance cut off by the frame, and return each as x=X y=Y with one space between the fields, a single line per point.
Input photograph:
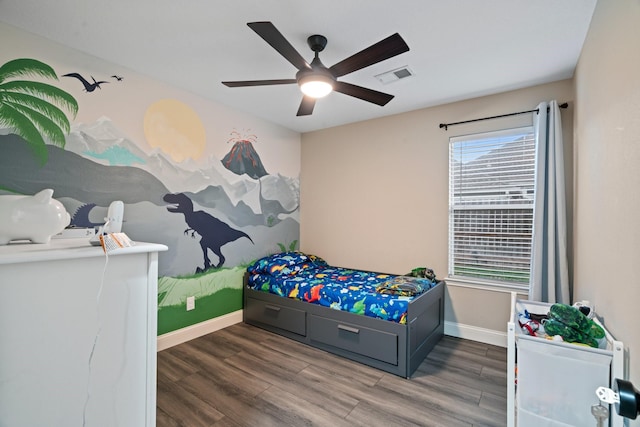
x=386 y=321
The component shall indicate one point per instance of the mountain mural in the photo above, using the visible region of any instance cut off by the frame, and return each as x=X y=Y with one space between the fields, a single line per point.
x=71 y=175
x=96 y=140
x=100 y=164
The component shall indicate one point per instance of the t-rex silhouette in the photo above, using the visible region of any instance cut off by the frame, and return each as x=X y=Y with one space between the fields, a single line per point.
x=213 y=233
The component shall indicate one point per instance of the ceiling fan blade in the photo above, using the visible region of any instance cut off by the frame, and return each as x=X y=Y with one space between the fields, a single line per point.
x=271 y=35
x=384 y=49
x=306 y=106
x=243 y=83
x=370 y=95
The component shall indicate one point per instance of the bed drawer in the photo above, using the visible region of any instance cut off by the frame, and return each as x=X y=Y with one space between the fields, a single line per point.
x=367 y=342
x=286 y=318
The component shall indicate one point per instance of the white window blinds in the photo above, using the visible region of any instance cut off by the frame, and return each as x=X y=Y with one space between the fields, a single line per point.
x=491 y=192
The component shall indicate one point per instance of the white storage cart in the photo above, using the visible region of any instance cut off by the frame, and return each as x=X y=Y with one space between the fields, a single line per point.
x=556 y=381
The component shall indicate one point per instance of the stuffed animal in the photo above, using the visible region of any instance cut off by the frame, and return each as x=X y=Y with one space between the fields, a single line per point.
x=573 y=326
x=424 y=272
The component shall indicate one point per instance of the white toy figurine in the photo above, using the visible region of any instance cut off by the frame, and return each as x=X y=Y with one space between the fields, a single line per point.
x=34 y=218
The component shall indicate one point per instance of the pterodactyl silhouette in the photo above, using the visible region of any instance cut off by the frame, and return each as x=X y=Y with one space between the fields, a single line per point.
x=118 y=78
x=89 y=87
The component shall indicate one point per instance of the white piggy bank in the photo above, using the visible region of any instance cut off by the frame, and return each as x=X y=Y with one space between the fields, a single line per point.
x=34 y=218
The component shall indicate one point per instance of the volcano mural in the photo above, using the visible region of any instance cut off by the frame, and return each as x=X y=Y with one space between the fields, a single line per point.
x=243 y=158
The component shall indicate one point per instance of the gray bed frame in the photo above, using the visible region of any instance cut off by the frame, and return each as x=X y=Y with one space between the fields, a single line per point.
x=392 y=347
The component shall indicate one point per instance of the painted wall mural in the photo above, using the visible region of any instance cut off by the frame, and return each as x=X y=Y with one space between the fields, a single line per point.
x=163 y=158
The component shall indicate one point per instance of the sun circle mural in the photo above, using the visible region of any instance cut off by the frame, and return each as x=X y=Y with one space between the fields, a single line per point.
x=176 y=129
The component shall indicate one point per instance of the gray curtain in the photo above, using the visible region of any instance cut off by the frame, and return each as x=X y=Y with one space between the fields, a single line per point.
x=549 y=266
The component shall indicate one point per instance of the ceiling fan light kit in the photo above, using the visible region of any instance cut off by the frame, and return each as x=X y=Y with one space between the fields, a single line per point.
x=316 y=80
x=316 y=86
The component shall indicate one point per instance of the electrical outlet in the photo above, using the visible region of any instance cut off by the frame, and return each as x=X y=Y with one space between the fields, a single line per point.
x=191 y=303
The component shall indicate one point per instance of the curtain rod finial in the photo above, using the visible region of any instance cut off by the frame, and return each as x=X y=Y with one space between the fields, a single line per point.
x=443 y=125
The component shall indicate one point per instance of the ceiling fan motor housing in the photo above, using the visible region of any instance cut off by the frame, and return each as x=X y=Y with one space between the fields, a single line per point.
x=317 y=43
x=317 y=69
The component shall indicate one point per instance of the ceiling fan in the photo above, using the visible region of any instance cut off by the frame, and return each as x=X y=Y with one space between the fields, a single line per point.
x=316 y=80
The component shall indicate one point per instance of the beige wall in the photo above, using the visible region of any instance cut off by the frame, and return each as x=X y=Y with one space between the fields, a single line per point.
x=374 y=194
x=607 y=170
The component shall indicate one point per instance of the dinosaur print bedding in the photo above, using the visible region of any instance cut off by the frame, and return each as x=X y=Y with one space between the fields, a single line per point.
x=309 y=278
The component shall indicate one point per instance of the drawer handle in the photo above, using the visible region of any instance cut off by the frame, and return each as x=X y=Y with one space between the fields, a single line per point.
x=272 y=307
x=349 y=329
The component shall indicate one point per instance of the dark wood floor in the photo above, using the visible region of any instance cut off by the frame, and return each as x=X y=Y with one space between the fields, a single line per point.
x=244 y=376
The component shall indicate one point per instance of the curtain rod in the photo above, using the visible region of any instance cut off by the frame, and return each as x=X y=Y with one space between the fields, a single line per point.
x=537 y=110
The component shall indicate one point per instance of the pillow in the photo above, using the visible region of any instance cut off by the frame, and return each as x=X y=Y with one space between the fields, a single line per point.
x=285 y=263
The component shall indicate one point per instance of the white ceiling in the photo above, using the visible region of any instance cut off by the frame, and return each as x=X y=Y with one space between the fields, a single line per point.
x=460 y=49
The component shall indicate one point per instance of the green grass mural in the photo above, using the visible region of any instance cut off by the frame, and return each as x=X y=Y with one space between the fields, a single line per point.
x=217 y=292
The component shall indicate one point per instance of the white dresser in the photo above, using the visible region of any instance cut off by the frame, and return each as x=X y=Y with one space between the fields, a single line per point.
x=78 y=334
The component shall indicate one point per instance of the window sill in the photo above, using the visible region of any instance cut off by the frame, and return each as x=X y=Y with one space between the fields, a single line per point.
x=486 y=286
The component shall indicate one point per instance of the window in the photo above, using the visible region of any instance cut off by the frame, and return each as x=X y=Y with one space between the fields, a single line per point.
x=491 y=194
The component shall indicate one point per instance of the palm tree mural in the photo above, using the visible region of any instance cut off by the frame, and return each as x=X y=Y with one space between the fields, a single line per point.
x=32 y=109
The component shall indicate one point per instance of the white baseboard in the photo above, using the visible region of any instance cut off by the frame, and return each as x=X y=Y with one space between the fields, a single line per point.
x=458 y=330
x=190 y=332
x=473 y=333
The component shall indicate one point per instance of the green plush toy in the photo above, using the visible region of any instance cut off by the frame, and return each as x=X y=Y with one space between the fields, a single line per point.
x=425 y=272
x=572 y=325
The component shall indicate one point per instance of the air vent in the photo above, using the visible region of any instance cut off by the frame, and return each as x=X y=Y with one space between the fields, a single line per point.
x=394 y=75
